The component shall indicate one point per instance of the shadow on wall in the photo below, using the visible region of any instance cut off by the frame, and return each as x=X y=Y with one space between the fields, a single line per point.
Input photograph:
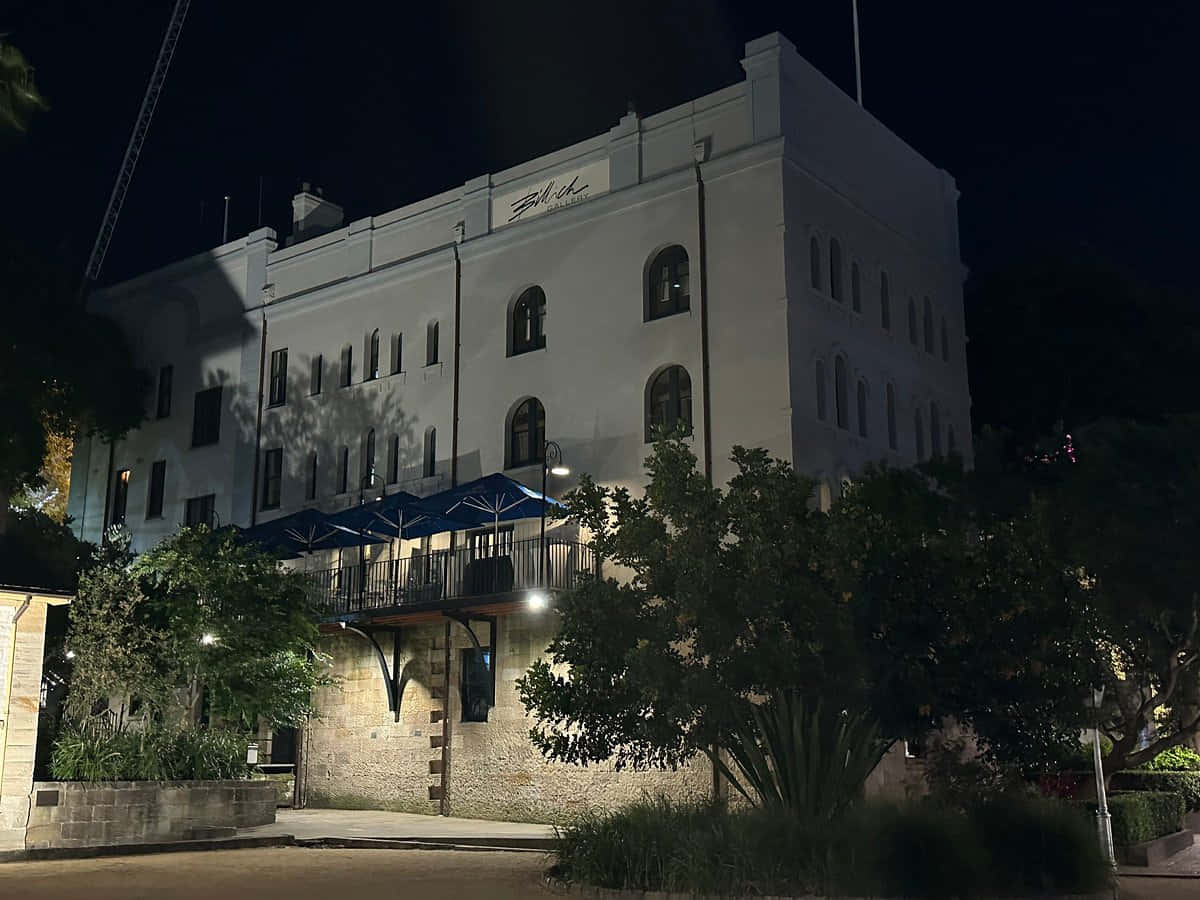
x=333 y=436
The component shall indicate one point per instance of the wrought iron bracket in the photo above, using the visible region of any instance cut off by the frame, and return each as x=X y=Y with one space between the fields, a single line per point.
x=394 y=680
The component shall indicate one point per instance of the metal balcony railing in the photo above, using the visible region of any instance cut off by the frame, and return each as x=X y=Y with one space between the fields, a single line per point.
x=444 y=576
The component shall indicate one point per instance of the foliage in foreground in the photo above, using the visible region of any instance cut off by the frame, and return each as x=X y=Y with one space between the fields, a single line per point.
x=155 y=754
x=200 y=615
x=1013 y=846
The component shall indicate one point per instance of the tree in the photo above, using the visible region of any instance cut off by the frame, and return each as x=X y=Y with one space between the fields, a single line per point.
x=1127 y=504
x=201 y=616
x=732 y=598
x=63 y=370
x=19 y=96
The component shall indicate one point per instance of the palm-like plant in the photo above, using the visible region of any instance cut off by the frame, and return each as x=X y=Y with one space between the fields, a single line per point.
x=803 y=757
x=19 y=96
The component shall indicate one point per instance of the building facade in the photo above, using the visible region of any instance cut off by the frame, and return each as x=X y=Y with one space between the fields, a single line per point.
x=767 y=265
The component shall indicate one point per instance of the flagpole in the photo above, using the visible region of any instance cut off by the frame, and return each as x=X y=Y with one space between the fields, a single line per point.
x=857 y=56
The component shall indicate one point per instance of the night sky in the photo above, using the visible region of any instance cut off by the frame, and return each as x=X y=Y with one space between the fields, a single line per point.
x=1065 y=123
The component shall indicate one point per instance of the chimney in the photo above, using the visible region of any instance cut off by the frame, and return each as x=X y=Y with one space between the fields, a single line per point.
x=312 y=214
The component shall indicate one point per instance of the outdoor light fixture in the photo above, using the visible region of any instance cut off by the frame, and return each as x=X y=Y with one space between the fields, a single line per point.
x=342 y=625
x=537 y=601
x=560 y=470
x=70 y=654
x=208 y=639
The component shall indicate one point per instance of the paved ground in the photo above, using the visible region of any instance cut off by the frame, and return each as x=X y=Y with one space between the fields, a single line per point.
x=1185 y=862
x=286 y=873
x=346 y=823
x=1133 y=888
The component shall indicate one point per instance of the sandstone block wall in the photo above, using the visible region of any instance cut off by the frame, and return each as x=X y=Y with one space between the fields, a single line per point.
x=76 y=814
x=19 y=709
x=357 y=756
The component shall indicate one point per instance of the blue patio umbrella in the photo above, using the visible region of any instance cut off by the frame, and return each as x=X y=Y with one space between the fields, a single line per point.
x=394 y=516
x=489 y=500
x=303 y=532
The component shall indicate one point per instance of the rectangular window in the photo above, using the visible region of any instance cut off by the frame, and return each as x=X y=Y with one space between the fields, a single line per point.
x=158 y=480
x=278 y=391
x=393 y=459
x=206 y=417
x=200 y=510
x=477 y=685
x=272 y=478
x=344 y=471
x=491 y=542
x=397 y=352
x=431 y=344
x=166 y=377
x=310 y=489
x=314 y=383
x=120 y=498
x=347 y=372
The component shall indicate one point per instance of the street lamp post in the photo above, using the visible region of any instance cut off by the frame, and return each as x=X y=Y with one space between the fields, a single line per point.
x=1103 y=819
x=550 y=452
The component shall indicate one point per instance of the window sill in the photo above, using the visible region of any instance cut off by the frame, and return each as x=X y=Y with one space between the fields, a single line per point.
x=206 y=444
x=646 y=320
x=527 y=351
x=277 y=405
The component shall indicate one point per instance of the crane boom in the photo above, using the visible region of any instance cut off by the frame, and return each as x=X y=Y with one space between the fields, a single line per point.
x=134 y=149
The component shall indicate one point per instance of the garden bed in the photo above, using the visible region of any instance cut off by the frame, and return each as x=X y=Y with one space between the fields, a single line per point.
x=82 y=814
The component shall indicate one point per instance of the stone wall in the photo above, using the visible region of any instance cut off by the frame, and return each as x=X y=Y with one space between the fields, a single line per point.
x=75 y=814
x=357 y=756
x=18 y=714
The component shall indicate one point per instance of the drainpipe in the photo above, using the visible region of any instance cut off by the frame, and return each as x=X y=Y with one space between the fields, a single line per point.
x=262 y=362
x=458 y=235
x=108 y=488
x=8 y=681
x=699 y=152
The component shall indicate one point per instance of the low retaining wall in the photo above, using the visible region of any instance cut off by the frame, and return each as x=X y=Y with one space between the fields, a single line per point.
x=76 y=814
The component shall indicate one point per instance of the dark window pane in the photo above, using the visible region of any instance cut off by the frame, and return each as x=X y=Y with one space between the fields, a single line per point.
x=344 y=471
x=885 y=303
x=430 y=464
x=528 y=319
x=310 y=489
x=200 y=511
x=477 y=684
x=862 y=409
x=891 y=416
x=527 y=434
x=928 y=326
x=158 y=478
x=835 y=269
x=206 y=417
x=278 y=387
x=840 y=395
x=397 y=352
x=347 y=373
x=669 y=405
x=431 y=343
x=314 y=380
x=393 y=462
x=272 y=478
x=372 y=357
x=668 y=289
x=120 y=497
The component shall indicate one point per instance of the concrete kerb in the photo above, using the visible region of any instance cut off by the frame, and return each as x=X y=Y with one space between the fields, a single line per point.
x=233 y=843
x=594 y=893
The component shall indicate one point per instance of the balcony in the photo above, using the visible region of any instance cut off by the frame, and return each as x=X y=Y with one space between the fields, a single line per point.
x=444 y=579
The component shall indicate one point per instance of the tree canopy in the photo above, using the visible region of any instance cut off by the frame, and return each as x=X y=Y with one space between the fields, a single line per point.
x=201 y=616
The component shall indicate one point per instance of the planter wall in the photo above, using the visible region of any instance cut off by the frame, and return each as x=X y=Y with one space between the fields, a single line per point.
x=76 y=814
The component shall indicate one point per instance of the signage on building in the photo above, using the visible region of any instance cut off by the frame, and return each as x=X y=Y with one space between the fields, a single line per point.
x=559 y=190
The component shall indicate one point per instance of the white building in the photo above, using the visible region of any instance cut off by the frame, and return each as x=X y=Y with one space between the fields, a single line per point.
x=768 y=262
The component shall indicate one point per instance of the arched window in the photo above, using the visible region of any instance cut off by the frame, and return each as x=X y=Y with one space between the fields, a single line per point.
x=841 y=396
x=669 y=402
x=855 y=288
x=430 y=462
x=527 y=434
x=344 y=471
x=821 y=411
x=397 y=352
x=835 y=269
x=528 y=321
x=372 y=357
x=667 y=284
x=945 y=342
x=919 y=432
x=950 y=446
x=891 y=416
x=368 y=469
x=862 y=408
x=885 y=303
x=431 y=343
x=912 y=321
x=928 y=326
x=347 y=373
x=935 y=430
x=310 y=487
x=814 y=262
x=393 y=459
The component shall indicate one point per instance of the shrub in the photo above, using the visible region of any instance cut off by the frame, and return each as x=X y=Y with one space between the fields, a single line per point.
x=1186 y=784
x=156 y=754
x=1144 y=815
x=1010 y=846
x=1175 y=759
